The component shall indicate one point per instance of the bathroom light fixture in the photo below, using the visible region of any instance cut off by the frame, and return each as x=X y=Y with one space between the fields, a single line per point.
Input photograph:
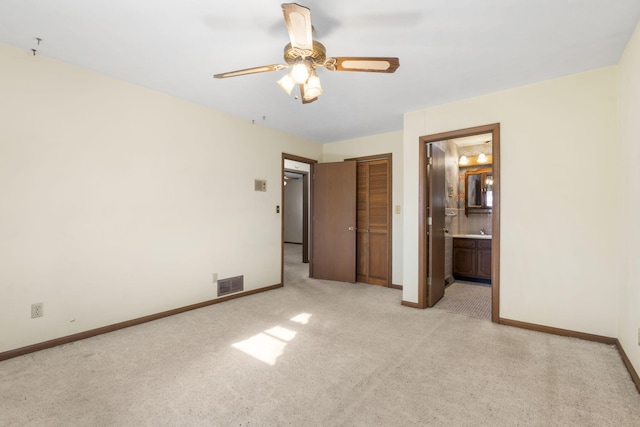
x=464 y=160
x=482 y=158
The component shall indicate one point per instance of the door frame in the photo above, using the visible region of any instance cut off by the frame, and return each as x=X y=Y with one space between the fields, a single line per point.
x=307 y=207
x=494 y=129
x=389 y=158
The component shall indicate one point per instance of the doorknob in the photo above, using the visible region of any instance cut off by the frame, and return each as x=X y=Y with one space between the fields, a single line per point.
x=352 y=228
x=446 y=230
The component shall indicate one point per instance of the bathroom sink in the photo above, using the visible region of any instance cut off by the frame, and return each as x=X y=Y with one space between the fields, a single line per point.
x=472 y=236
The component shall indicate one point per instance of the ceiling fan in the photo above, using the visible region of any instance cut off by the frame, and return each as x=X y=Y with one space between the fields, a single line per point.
x=303 y=55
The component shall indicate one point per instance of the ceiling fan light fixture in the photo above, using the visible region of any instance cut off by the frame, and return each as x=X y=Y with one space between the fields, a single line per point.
x=301 y=71
x=313 y=89
x=287 y=83
x=304 y=54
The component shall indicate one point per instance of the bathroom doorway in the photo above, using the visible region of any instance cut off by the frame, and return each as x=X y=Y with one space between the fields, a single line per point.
x=463 y=214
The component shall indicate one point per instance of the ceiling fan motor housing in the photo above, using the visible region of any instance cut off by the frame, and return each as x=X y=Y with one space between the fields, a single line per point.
x=317 y=55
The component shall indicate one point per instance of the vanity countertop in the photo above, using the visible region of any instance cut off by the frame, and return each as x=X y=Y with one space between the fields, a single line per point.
x=472 y=236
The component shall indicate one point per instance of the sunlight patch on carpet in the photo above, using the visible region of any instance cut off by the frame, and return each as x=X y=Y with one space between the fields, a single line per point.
x=302 y=318
x=267 y=346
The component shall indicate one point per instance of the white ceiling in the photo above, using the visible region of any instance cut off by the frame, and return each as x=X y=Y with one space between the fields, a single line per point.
x=448 y=50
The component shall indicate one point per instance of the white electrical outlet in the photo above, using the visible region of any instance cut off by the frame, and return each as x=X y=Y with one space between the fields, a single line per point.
x=215 y=277
x=37 y=310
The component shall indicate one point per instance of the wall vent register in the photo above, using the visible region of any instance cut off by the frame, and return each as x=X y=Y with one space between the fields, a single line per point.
x=230 y=285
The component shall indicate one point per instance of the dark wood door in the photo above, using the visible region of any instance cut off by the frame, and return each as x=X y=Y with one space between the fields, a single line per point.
x=334 y=221
x=435 y=225
x=373 y=222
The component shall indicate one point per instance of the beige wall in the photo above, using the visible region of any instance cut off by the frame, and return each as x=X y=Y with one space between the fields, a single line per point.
x=629 y=303
x=560 y=197
x=369 y=146
x=119 y=202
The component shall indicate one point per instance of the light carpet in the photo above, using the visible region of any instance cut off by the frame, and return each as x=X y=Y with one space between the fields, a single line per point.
x=319 y=353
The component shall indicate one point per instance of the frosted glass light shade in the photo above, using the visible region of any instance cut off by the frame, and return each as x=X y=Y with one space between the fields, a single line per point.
x=313 y=89
x=287 y=83
x=482 y=158
x=464 y=160
x=301 y=71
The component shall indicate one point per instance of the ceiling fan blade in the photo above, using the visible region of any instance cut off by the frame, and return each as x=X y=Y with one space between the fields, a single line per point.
x=262 y=69
x=298 y=21
x=304 y=100
x=365 y=64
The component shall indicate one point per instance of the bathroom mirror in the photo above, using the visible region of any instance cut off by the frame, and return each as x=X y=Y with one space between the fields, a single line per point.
x=479 y=191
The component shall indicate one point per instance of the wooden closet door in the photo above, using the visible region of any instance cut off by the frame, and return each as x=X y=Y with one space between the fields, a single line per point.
x=373 y=222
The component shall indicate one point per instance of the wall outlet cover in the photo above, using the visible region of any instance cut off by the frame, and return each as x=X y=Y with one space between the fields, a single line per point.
x=37 y=310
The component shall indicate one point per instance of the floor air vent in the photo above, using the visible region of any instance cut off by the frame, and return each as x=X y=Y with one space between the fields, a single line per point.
x=230 y=285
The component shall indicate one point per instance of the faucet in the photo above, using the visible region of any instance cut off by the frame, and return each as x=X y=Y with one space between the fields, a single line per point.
x=482 y=232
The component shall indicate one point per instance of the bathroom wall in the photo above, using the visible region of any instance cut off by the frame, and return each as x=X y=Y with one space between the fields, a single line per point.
x=451 y=202
x=472 y=224
x=456 y=221
x=451 y=193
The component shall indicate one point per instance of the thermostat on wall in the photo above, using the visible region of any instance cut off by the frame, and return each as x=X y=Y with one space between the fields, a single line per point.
x=260 y=185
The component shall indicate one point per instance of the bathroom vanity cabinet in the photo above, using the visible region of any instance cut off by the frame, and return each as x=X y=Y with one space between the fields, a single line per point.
x=472 y=258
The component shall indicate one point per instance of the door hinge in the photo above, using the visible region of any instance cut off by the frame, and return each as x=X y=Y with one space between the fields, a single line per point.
x=429 y=160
